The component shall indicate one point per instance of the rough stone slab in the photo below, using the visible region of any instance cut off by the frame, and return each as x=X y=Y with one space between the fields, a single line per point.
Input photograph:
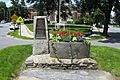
x=40 y=74
x=40 y=47
x=27 y=78
x=65 y=50
x=45 y=58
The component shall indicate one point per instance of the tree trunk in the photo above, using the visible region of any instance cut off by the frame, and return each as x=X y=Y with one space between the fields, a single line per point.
x=105 y=30
x=107 y=20
x=96 y=25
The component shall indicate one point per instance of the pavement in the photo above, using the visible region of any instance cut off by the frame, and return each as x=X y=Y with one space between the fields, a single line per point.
x=46 y=74
x=113 y=41
x=6 y=40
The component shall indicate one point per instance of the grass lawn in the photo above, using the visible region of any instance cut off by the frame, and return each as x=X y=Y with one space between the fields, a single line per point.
x=85 y=29
x=107 y=58
x=15 y=34
x=30 y=27
x=11 y=60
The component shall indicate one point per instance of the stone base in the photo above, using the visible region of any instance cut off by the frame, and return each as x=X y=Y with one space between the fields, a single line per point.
x=45 y=61
x=66 y=50
x=40 y=47
x=41 y=74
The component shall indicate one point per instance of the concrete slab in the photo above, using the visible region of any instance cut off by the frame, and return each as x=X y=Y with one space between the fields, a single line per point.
x=46 y=74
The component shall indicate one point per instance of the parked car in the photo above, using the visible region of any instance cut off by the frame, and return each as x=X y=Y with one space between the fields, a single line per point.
x=3 y=21
x=14 y=26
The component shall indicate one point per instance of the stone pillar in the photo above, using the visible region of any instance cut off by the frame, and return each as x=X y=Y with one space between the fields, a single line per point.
x=40 y=45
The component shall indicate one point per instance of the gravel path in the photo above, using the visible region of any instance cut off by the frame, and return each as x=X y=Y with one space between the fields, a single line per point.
x=6 y=41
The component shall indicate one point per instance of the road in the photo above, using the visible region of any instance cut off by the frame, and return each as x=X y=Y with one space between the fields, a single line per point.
x=6 y=41
x=113 y=41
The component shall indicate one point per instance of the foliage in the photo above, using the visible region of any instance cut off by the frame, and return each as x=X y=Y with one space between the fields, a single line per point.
x=88 y=19
x=117 y=17
x=104 y=5
x=2 y=10
x=98 y=16
x=117 y=14
x=19 y=8
x=11 y=60
x=44 y=5
x=85 y=19
x=80 y=20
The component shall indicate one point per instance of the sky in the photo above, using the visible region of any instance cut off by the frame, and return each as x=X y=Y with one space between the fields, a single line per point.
x=8 y=3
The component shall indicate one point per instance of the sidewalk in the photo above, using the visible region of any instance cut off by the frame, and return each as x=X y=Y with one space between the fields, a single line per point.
x=26 y=32
x=47 y=74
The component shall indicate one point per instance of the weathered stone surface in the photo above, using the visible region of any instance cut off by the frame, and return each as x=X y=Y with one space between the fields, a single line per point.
x=66 y=50
x=40 y=47
x=28 y=78
x=40 y=74
x=45 y=61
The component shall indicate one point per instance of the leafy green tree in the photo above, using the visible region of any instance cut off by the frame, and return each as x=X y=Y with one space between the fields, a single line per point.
x=104 y=5
x=2 y=10
x=117 y=13
x=98 y=17
x=19 y=8
x=44 y=6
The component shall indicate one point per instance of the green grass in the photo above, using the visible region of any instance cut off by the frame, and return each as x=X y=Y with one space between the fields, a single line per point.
x=85 y=29
x=108 y=59
x=11 y=60
x=98 y=38
x=15 y=34
x=30 y=27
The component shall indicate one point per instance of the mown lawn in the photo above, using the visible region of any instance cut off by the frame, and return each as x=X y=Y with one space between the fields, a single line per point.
x=107 y=58
x=16 y=35
x=30 y=27
x=85 y=29
x=11 y=60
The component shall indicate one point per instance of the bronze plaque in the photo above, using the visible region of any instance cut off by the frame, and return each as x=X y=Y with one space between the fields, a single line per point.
x=40 y=32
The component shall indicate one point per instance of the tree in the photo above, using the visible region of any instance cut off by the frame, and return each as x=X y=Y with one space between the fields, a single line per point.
x=104 y=5
x=50 y=6
x=2 y=10
x=98 y=17
x=19 y=8
x=117 y=13
x=43 y=6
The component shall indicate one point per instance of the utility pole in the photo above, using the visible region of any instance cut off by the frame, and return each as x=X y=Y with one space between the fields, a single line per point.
x=59 y=6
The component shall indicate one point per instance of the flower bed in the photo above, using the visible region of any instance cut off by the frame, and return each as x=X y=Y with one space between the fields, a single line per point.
x=69 y=45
